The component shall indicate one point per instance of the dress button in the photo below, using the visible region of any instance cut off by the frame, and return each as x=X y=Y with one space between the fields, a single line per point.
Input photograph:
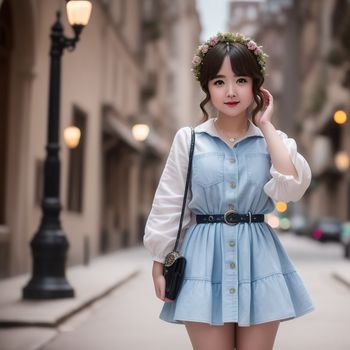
x=232 y=243
x=232 y=265
x=232 y=184
x=232 y=290
x=233 y=160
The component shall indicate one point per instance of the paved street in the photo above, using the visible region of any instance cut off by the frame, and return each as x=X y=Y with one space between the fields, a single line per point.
x=327 y=326
x=128 y=317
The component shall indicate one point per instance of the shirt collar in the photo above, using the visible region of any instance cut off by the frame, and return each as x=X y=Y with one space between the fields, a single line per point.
x=209 y=128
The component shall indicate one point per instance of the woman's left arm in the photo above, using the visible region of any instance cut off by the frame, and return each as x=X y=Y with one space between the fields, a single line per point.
x=291 y=174
x=279 y=153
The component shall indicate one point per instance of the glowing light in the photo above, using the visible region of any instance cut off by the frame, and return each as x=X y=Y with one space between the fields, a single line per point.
x=78 y=12
x=342 y=160
x=281 y=207
x=273 y=221
x=285 y=223
x=340 y=117
x=140 y=131
x=71 y=136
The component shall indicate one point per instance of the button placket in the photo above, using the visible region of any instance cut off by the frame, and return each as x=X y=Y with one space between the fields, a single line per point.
x=230 y=281
x=230 y=278
x=231 y=161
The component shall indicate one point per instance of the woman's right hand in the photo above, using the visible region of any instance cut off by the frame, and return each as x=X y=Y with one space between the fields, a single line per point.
x=159 y=281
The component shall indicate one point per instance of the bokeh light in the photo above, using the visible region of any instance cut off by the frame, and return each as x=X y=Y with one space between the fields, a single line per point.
x=281 y=207
x=340 y=117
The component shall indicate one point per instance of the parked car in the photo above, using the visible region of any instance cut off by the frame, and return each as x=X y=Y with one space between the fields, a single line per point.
x=301 y=225
x=327 y=229
x=345 y=238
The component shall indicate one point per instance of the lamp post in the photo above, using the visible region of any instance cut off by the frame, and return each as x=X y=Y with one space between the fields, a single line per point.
x=49 y=245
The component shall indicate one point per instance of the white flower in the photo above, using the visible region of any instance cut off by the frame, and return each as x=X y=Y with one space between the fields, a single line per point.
x=205 y=48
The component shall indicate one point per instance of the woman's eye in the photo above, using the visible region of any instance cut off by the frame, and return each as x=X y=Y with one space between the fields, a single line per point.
x=218 y=82
x=240 y=80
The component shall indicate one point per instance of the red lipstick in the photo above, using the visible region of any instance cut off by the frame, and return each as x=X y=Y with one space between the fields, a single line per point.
x=231 y=104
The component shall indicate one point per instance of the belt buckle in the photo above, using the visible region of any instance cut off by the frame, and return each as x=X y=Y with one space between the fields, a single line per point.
x=227 y=214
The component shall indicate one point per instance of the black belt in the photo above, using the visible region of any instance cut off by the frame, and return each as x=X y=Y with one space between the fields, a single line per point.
x=231 y=217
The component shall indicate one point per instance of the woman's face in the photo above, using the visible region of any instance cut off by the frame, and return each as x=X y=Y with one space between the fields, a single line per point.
x=227 y=87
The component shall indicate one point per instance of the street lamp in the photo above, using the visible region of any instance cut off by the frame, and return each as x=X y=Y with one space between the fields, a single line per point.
x=49 y=245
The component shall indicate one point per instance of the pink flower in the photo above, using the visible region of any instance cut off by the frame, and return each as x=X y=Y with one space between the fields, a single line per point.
x=252 y=45
x=196 y=60
x=213 y=40
x=258 y=51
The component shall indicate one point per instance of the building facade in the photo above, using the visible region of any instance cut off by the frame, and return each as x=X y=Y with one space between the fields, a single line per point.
x=325 y=87
x=118 y=75
x=309 y=77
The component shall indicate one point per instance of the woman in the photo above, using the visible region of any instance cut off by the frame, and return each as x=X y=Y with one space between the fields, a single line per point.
x=239 y=282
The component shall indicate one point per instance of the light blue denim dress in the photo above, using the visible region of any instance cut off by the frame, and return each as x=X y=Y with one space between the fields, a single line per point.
x=234 y=273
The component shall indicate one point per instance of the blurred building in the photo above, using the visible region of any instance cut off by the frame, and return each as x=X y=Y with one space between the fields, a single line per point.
x=324 y=28
x=132 y=65
x=309 y=76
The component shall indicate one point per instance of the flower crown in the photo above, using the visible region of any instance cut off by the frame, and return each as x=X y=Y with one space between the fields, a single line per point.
x=228 y=38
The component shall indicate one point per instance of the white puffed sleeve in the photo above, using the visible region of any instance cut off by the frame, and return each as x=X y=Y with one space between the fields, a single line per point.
x=286 y=187
x=163 y=221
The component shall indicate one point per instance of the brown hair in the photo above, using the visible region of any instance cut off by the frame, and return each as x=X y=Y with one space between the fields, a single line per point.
x=243 y=63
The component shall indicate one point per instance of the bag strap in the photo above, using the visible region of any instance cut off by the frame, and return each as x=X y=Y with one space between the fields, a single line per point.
x=189 y=170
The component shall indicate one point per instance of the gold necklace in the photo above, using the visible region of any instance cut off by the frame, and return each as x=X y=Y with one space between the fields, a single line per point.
x=230 y=138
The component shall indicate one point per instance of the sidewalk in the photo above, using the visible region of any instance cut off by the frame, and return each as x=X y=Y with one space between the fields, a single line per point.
x=342 y=272
x=31 y=324
x=340 y=269
x=27 y=324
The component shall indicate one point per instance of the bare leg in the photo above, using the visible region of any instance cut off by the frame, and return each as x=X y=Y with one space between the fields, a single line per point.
x=257 y=337
x=206 y=337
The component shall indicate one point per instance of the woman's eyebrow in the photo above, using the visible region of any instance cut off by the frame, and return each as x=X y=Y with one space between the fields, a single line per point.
x=224 y=76
x=219 y=76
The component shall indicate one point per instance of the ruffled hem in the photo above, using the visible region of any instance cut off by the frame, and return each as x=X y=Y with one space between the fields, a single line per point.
x=280 y=296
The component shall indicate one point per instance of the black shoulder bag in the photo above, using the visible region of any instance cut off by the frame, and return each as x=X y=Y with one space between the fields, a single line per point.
x=174 y=265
